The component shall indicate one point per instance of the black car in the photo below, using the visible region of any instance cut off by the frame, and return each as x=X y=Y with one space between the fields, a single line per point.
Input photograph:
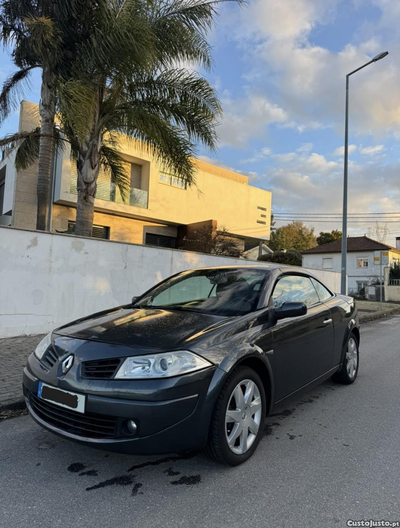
x=198 y=361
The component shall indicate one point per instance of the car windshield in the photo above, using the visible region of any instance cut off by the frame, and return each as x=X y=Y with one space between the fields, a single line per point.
x=226 y=292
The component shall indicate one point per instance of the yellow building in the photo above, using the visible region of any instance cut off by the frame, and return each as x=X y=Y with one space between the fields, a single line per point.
x=159 y=208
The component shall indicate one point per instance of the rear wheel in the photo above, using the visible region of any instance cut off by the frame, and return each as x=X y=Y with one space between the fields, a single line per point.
x=348 y=373
x=238 y=418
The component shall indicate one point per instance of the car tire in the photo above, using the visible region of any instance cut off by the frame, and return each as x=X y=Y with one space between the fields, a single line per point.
x=351 y=360
x=233 y=442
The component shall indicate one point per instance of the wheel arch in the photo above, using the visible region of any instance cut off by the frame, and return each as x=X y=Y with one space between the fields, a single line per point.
x=351 y=329
x=258 y=365
x=356 y=332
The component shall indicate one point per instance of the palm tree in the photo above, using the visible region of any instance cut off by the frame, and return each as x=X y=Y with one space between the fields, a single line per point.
x=141 y=92
x=125 y=78
x=30 y=28
x=44 y=34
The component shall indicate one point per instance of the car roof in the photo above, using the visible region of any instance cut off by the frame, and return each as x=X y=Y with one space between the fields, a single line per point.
x=264 y=267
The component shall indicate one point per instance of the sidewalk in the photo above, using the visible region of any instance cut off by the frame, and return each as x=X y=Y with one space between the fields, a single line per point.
x=14 y=352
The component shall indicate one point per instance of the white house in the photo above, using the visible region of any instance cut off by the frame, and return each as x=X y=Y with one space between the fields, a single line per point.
x=363 y=259
x=253 y=253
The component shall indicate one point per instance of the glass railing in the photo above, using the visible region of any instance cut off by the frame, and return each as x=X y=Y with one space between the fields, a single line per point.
x=109 y=192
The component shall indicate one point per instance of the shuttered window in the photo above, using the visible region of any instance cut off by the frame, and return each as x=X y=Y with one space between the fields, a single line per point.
x=102 y=232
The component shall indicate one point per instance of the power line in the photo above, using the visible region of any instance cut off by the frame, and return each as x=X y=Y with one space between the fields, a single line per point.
x=334 y=220
x=368 y=213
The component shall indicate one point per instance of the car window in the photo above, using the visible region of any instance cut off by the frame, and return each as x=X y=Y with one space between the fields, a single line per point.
x=190 y=289
x=294 y=288
x=323 y=293
x=233 y=291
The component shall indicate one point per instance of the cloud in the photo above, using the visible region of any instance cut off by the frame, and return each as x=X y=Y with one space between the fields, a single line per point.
x=305 y=147
x=307 y=80
x=370 y=151
x=302 y=183
x=247 y=118
x=340 y=150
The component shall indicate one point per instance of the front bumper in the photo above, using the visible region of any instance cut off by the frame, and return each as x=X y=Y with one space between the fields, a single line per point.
x=175 y=416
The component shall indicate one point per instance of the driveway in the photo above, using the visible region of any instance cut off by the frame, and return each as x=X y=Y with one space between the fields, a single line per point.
x=328 y=457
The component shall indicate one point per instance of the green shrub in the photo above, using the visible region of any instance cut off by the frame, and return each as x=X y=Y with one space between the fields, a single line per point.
x=291 y=258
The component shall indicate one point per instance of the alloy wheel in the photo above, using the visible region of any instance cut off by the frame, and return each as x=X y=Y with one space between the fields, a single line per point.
x=243 y=416
x=351 y=358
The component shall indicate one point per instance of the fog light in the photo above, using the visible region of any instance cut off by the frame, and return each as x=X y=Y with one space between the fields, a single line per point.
x=131 y=426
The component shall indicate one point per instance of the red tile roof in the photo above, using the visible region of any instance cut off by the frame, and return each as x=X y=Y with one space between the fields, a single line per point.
x=362 y=243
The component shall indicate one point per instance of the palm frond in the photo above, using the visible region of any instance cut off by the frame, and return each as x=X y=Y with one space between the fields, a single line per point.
x=44 y=35
x=184 y=100
x=10 y=141
x=27 y=151
x=77 y=101
x=165 y=142
x=12 y=90
x=26 y=146
x=113 y=163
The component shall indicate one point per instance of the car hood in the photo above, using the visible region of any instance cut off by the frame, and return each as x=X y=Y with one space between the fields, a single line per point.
x=142 y=328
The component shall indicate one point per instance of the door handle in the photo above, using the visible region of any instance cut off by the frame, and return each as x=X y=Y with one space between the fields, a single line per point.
x=327 y=321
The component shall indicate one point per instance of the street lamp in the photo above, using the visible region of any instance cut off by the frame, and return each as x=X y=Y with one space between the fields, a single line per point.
x=345 y=179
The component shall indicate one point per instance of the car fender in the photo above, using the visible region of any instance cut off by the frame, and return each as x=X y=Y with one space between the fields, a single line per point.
x=246 y=354
x=352 y=324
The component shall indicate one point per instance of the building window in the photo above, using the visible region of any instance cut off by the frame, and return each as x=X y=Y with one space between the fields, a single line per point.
x=261 y=222
x=362 y=263
x=261 y=208
x=173 y=181
x=263 y=216
x=102 y=232
x=160 y=241
x=327 y=263
x=108 y=191
x=2 y=188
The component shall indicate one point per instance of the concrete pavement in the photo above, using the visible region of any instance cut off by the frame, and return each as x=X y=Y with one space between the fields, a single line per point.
x=326 y=458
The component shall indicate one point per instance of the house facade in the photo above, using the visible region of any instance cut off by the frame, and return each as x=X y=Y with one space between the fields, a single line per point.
x=363 y=260
x=159 y=210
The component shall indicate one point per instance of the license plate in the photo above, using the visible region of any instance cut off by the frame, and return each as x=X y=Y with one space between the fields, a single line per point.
x=62 y=398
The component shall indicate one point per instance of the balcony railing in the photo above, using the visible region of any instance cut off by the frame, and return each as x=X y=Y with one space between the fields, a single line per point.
x=109 y=192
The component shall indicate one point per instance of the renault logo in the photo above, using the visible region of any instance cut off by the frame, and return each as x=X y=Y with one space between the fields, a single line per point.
x=67 y=363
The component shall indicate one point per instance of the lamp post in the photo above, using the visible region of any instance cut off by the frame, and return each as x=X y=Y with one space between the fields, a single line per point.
x=343 y=290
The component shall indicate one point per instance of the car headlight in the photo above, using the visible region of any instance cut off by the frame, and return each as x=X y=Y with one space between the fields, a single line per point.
x=161 y=365
x=43 y=346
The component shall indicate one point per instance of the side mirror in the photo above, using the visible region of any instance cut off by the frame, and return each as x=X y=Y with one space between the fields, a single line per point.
x=134 y=299
x=291 y=309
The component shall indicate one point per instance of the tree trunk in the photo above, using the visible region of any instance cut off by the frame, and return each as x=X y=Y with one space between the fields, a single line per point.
x=47 y=112
x=88 y=166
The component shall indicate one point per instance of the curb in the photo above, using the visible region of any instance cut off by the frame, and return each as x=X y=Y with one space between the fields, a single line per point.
x=13 y=407
x=378 y=315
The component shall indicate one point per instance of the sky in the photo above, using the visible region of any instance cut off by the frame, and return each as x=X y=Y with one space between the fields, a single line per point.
x=279 y=69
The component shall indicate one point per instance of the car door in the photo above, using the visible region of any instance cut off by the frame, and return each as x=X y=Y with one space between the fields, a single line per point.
x=303 y=346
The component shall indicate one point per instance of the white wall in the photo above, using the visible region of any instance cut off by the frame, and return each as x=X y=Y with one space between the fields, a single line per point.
x=354 y=274
x=49 y=279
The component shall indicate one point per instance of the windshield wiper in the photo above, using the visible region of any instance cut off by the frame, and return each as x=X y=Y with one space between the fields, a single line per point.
x=177 y=307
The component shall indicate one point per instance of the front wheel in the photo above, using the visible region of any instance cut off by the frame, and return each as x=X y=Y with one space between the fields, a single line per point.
x=238 y=419
x=348 y=373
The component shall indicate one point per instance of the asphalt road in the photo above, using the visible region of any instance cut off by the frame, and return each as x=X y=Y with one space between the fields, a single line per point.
x=326 y=458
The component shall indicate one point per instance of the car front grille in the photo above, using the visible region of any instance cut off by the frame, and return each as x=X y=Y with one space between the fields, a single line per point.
x=49 y=358
x=100 y=369
x=88 y=425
